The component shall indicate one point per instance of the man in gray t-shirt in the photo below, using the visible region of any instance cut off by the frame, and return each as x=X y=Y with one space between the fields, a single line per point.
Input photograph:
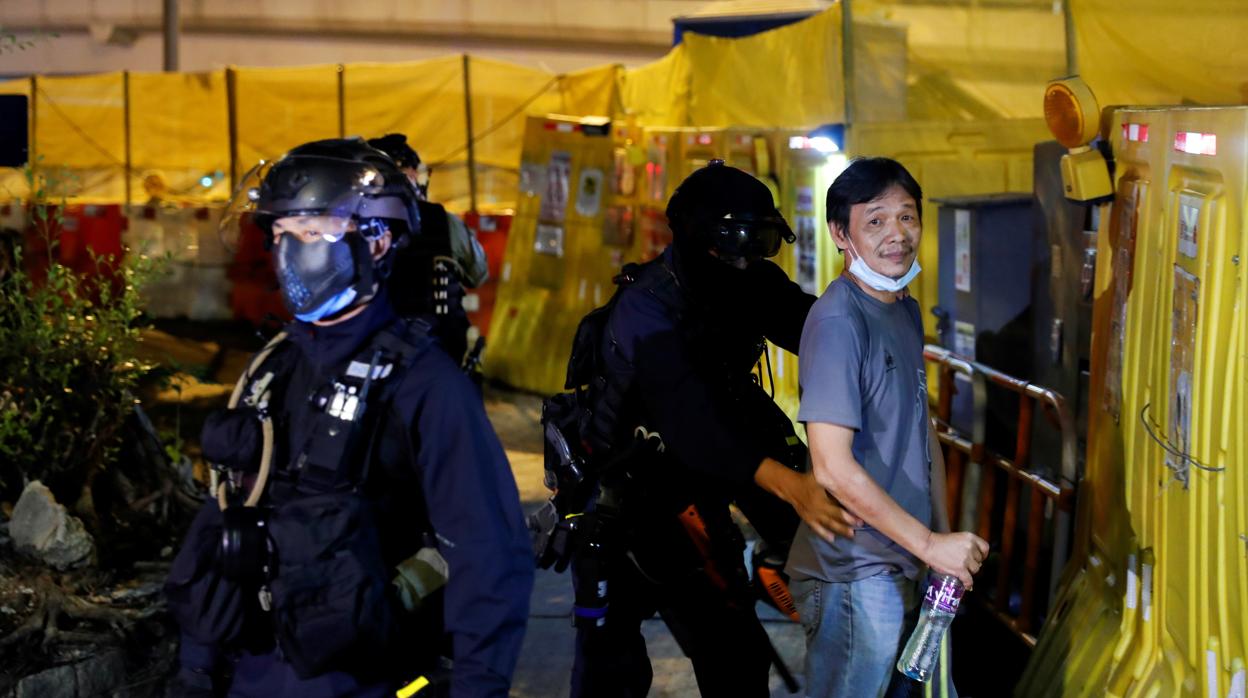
x=864 y=404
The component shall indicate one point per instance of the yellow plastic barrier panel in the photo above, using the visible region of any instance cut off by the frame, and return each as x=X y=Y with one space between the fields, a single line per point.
x=1155 y=601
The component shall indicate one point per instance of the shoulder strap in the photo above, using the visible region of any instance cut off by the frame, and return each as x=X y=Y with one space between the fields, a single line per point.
x=258 y=395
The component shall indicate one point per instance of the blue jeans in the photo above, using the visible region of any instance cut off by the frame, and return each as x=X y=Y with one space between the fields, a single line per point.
x=854 y=633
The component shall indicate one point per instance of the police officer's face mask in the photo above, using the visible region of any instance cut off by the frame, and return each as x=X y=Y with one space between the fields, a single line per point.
x=323 y=265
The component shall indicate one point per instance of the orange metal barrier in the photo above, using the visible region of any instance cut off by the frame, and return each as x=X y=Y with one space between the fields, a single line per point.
x=994 y=510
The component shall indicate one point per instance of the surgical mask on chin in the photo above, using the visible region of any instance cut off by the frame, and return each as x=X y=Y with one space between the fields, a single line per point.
x=878 y=281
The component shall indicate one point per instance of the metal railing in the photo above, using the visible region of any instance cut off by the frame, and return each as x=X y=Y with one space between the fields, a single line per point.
x=973 y=469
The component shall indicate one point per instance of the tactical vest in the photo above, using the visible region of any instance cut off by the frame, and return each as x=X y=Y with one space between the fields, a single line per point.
x=425 y=281
x=295 y=547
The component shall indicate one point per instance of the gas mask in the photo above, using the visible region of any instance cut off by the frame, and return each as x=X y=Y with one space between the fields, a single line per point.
x=321 y=277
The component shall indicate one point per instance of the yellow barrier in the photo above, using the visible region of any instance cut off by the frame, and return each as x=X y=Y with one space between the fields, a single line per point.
x=1155 y=602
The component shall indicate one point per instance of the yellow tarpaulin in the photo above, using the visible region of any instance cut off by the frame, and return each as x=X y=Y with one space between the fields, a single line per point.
x=79 y=136
x=1158 y=52
x=180 y=136
x=425 y=101
x=657 y=94
x=789 y=76
x=276 y=109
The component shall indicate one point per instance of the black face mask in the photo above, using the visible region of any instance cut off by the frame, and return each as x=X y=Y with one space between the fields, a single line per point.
x=321 y=278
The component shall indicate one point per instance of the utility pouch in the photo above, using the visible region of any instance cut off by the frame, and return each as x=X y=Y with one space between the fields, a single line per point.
x=209 y=607
x=331 y=597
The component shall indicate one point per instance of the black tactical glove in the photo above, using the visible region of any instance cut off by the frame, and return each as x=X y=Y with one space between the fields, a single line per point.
x=555 y=537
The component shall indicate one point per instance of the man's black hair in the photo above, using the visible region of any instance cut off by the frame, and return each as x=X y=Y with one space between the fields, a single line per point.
x=866 y=179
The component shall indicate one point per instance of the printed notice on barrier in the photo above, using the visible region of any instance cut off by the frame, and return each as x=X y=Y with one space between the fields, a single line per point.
x=806 y=253
x=962 y=250
x=805 y=200
x=589 y=192
x=532 y=178
x=1182 y=363
x=1189 y=223
x=555 y=196
x=548 y=240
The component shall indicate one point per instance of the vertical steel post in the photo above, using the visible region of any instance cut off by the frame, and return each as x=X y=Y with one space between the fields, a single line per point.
x=472 y=151
x=172 y=29
x=1072 y=58
x=342 y=102
x=125 y=110
x=231 y=111
x=847 y=60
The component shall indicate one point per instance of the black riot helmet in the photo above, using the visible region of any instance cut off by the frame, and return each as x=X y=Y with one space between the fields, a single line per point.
x=405 y=156
x=349 y=193
x=723 y=209
x=344 y=177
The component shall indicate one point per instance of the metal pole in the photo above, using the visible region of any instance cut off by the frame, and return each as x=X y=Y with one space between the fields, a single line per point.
x=231 y=111
x=342 y=103
x=472 y=151
x=847 y=60
x=1072 y=60
x=125 y=107
x=31 y=156
x=171 y=30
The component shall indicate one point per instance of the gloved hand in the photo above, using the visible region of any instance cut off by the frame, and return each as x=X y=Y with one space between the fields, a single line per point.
x=555 y=537
x=190 y=684
x=419 y=576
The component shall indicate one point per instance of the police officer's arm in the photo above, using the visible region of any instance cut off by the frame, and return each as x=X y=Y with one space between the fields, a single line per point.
x=697 y=427
x=474 y=508
x=783 y=307
x=467 y=252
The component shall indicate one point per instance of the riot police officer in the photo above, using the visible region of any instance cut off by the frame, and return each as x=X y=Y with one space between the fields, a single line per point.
x=368 y=521
x=677 y=349
x=431 y=273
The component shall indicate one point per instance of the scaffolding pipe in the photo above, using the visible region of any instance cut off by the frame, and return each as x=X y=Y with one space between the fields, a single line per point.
x=172 y=27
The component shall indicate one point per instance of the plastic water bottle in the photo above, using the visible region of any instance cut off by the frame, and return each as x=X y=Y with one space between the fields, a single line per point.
x=940 y=605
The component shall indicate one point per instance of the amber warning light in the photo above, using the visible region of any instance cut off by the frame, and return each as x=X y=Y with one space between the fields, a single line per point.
x=1071 y=112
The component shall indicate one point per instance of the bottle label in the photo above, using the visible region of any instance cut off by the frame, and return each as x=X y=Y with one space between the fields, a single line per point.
x=944 y=593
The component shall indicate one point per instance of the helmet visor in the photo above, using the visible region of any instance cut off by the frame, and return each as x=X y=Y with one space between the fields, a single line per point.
x=749 y=237
x=237 y=218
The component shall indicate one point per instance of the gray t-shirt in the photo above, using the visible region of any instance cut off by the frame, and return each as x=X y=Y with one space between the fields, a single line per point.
x=861 y=366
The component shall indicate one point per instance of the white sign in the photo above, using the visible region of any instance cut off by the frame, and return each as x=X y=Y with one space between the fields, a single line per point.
x=962 y=250
x=1189 y=223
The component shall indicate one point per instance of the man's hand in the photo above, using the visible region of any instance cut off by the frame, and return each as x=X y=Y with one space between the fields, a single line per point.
x=959 y=554
x=825 y=516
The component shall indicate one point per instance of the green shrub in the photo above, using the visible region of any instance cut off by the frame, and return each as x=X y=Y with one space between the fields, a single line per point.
x=68 y=367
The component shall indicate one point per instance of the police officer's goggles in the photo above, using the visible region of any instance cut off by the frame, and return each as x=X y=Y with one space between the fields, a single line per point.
x=749 y=237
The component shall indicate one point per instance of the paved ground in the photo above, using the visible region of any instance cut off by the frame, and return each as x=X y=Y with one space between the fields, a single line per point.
x=546 y=662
